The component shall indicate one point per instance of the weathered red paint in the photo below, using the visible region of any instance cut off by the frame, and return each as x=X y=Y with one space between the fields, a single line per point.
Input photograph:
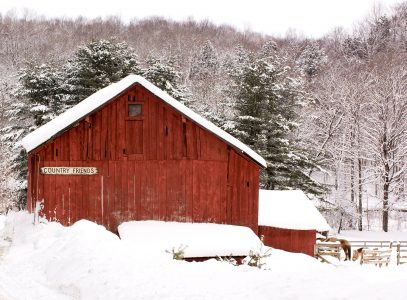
x=156 y=166
x=292 y=240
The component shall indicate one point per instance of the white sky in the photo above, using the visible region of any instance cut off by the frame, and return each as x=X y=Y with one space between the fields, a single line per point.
x=310 y=17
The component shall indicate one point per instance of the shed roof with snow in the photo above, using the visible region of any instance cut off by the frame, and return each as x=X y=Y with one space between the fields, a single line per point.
x=289 y=209
x=96 y=100
x=197 y=239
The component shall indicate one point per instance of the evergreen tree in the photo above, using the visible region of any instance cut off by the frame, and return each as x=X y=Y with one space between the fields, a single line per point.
x=38 y=99
x=43 y=92
x=163 y=73
x=266 y=101
x=40 y=86
x=312 y=59
x=205 y=64
x=205 y=82
x=97 y=65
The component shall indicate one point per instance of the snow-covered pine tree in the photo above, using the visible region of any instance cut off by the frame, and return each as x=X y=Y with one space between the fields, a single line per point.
x=36 y=100
x=206 y=83
x=249 y=90
x=44 y=92
x=205 y=63
x=164 y=74
x=312 y=59
x=97 y=65
x=267 y=97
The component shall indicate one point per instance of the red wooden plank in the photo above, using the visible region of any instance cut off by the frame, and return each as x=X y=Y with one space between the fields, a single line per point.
x=86 y=204
x=111 y=186
x=160 y=131
x=74 y=143
x=39 y=193
x=154 y=192
x=150 y=124
x=89 y=138
x=49 y=193
x=118 y=209
x=59 y=196
x=222 y=192
x=65 y=147
x=75 y=202
x=120 y=128
x=134 y=136
x=181 y=198
x=96 y=138
x=94 y=195
x=162 y=188
x=177 y=146
x=139 y=174
x=189 y=191
x=196 y=191
x=124 y=191
x=105 y=122
x=112 y=131
x=145 y=201
x=192 y=141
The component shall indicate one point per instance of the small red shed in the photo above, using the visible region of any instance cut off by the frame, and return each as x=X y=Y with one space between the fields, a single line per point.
x=289 y=221
x=132 y=152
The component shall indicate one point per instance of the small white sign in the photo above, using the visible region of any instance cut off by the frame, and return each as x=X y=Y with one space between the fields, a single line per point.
x=69 y=171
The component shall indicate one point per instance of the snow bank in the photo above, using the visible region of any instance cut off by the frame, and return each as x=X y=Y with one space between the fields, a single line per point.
x=289 y=209
x=85 y=261
x=200 y=239
x=93 y=102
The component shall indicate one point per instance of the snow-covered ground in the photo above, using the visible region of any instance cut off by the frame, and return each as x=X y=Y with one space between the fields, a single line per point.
x=353 y=235
x=85 y=261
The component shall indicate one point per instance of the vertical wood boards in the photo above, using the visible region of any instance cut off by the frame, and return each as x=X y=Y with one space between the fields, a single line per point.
x=160 y=166
x=134 y=137
x=292 y=240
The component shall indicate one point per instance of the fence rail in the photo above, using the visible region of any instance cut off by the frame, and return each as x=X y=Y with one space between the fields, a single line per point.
x=378 y=252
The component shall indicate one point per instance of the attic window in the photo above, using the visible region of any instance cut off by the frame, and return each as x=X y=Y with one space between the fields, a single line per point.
x=134 y=110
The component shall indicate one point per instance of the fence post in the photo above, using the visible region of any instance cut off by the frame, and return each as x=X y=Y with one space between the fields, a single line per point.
x=398 y=253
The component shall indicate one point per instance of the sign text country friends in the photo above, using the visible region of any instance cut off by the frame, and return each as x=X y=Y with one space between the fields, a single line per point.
x=69 y=171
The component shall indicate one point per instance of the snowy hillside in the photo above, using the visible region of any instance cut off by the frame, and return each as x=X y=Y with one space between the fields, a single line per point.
x=84 y=261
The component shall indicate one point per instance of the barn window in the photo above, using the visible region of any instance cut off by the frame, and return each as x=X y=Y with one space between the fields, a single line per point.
x=134 y=110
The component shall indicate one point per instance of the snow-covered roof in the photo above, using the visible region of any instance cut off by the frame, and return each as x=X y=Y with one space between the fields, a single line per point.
x=93 y=102
x=289 y=209
x=198 y=239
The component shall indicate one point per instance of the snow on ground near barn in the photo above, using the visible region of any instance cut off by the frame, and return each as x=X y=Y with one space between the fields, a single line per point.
x=85 y=261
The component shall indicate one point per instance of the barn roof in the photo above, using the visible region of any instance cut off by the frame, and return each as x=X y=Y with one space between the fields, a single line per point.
x=290 y=210
x=93 y=102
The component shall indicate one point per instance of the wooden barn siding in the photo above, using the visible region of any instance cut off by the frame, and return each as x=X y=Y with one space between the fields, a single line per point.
x=185 y=173
x=299 y=241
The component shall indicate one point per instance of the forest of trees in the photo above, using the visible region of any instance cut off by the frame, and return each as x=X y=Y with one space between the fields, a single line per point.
x=329 y=115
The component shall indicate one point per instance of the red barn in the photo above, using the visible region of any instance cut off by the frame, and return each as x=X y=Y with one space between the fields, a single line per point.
x=132 y=152
x=288 y=220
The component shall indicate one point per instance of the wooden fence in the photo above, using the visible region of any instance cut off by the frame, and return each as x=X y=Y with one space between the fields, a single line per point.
x=376 y=252
x=401 y=252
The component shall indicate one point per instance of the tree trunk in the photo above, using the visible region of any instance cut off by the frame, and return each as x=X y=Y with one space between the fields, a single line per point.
x=340 y=223
x=386 y=199
x=360 y=209
x=352 y=175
